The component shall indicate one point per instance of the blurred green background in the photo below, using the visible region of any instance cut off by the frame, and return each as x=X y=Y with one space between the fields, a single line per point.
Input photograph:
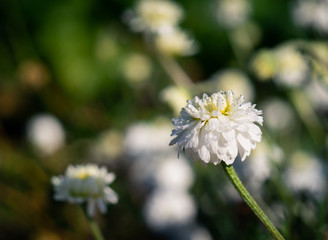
x=77 y=85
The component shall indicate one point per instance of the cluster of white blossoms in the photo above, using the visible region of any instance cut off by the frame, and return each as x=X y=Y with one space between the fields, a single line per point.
x=306 y=173
x=216 y=128
x=284 y=64
x=292 y=69
x=169 y=208
x=156 y=15
x=175 y=41
x=86 y=183
x=164 y=179
x=160 y=19
x=232 y=13
x=312 y=14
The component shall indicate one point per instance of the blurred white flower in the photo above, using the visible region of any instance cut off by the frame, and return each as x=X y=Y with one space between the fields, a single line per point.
x=317 y=92
x=193 y=231
x=235 y=80
x=136 y=68
x=260 y=164
x=161 y=171
x=284 y=64
x=148 y=157
x=303 y=12
x=85 y=183
x=264 y=64
x=174 y=174
x=199 y=233
x=246 y=36
x=110 y=143
x=142 y=171
x=156 y=15
x=291 y=68
x=306 y=173
x=174 y=41
x=154 y=164
x=175 y=97
x=136 y=142
x=311 y=14
x=216 y=128
x=231 y=13
x=165 y=209
x=156 y=171
x=46 y=133
x=279 y=114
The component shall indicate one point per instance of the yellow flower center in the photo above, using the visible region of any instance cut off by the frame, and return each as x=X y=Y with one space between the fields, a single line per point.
x=226 y=110
x=212 y=107
x=83 y=175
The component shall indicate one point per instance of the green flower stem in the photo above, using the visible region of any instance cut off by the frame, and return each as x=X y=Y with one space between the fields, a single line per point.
x=230 y=171
x=307 y=114
x=174 y=70
x=95 y=230
x=236 y=51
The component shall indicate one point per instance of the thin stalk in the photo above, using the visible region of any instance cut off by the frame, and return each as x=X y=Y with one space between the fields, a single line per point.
x=230 y=171
x=305 y=110
x=173 y=69
x=95 y=230
x=236 y=51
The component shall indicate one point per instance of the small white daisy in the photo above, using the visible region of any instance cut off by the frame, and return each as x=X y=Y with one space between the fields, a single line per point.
x=216 y=128
x=311 y=14
x=86 y=183
x=155 y=15
x=232 y=13
x=175 y=41
x=46 y=134
x=164 y=209
x=306 y=173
